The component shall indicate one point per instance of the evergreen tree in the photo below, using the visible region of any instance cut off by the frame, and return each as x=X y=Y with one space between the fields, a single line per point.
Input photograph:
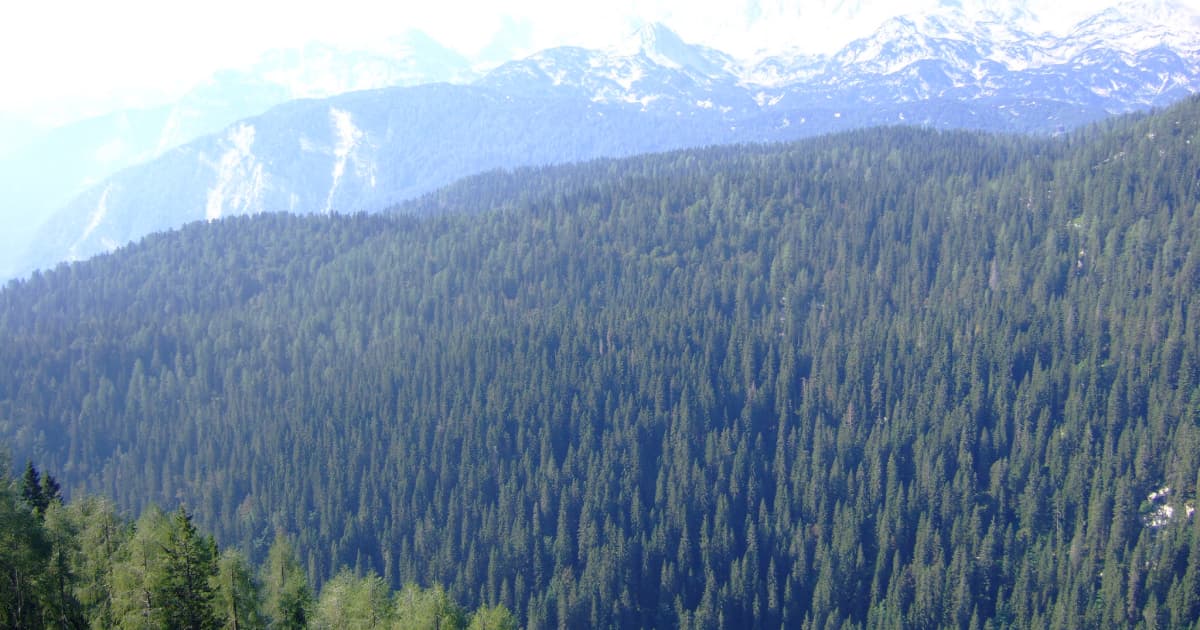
x=32 y=490
x=189 y=573
x=24 y=552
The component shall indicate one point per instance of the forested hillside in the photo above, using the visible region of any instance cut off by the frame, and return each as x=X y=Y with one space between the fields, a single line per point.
x=80 y=564
x=895 y=378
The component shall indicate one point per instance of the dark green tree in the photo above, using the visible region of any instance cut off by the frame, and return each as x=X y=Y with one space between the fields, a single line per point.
x=189 y=574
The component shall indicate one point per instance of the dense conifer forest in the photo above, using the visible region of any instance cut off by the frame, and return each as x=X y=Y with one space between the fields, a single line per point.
x=889 y=378
x=81 y=565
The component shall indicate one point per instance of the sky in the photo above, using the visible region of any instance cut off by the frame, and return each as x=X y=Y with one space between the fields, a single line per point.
x=63 y=58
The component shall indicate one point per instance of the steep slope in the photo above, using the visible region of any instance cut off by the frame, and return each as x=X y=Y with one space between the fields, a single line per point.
x=361 y=151
x=886 y=375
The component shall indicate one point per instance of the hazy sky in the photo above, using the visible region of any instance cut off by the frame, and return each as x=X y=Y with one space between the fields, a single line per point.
x=58 y=55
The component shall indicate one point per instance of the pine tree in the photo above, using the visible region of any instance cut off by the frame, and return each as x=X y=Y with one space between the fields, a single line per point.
x=31 y=489
x=191 y=567
x=24 y=553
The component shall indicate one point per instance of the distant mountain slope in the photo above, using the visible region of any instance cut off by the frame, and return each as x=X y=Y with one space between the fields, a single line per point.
x=948 y=69
x=888 y=376
x=61 y=164
x=361 y=151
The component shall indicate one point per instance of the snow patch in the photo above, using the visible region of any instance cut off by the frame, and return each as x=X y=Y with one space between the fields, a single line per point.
x=1160 y=516
x=641 y=100
x=348 y=138
x=557 y=76
x=239 y=177
x=766 y=100
x=626 y=81
x=1160 y=512
x=94 y=221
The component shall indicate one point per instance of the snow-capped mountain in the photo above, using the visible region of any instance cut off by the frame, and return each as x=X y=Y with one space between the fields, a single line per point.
x=363 y=151
x=1136 y=27
x=1124 y=58
x=653 y=70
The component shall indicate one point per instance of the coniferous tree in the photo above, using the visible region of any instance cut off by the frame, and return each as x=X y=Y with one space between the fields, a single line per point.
x=61 y=582
x=32 y=490
x=24 y=552
x=427 y=609
x=238 y=597
x=189 y=573
x=101 y=534
x=493 y=618
x=348 y=601
x=288 y=597
x=139 y=574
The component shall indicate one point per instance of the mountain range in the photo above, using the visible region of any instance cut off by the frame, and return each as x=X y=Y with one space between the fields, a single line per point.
x=370 y=149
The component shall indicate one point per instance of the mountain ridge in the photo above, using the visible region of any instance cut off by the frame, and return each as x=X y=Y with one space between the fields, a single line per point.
x=62 y=163
x=940 y=70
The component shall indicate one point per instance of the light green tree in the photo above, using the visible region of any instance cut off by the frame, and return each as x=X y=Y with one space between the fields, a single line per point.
x=60 y=580
x=238 y=597
x=427 y=609
x=101 y=532
x=139 y=572
x=350 y=602
x=493 y=618
x=288 y=597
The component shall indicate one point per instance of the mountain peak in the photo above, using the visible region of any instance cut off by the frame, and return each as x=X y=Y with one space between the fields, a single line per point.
x=1145 y=12
x=1012 y=12
x=1143 y=25
x=648 y=38
x=657 y=36
x=659 y=44
x=1156 y=11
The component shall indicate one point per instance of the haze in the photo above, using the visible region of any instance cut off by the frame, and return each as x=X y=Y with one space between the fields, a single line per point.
x=137 y=53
